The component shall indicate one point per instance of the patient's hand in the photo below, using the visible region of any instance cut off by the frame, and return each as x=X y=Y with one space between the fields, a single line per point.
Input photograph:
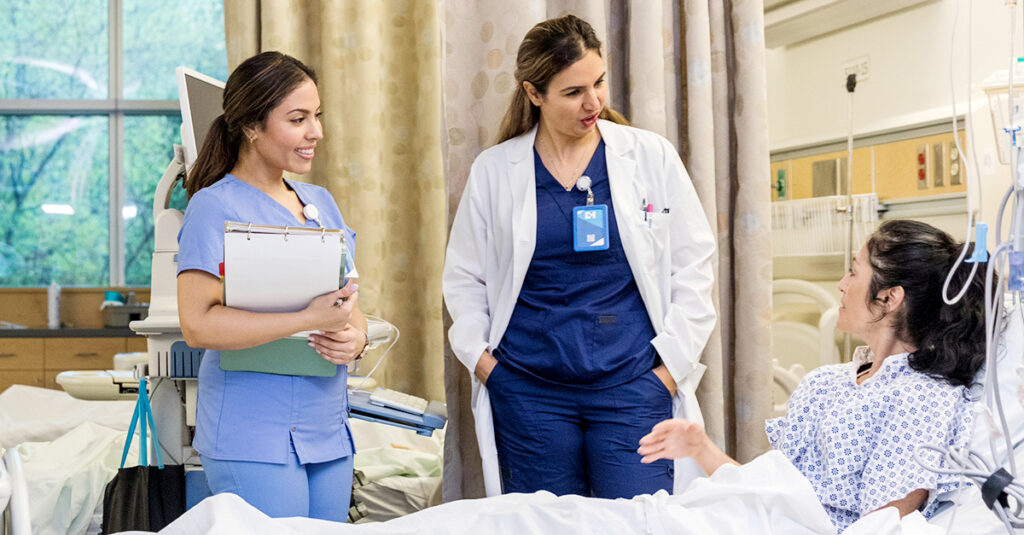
x=677 y=438
x=672 y=439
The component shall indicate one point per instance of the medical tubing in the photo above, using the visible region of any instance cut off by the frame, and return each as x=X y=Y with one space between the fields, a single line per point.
x=956 y=138
x=992 y=321
x=994 y=311
x=974 y=467
x=1018 y=240
x=970 y=113
x=1001 y=211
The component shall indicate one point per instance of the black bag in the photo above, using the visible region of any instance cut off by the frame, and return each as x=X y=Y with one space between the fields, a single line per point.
x=145 y=498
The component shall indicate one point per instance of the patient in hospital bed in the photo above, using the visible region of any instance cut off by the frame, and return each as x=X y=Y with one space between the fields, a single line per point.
x=852 y=429
x=847 y=440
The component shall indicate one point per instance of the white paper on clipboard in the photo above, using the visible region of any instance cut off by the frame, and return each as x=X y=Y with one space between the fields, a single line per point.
x=274 y=269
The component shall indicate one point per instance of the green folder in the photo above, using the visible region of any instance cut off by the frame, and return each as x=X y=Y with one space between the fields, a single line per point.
x=287 y=356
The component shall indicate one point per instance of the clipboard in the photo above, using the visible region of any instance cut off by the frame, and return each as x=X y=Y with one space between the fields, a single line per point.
x=281 y=269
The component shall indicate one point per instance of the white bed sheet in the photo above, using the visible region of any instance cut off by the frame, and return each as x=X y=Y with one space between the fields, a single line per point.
x=70 y=448
x=765 y=496
x=30 y=414
x=770 y=493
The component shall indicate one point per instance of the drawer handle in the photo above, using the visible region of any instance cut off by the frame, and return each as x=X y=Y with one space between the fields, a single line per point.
x=5 y=355
x=93 y=354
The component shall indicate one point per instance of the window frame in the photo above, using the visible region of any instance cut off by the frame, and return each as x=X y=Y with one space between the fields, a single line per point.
x=116 y=108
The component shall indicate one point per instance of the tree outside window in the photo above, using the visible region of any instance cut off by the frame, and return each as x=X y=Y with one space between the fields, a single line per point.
x=88 y=120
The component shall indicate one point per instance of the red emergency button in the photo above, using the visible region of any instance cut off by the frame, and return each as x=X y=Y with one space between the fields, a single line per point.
x=920 y=174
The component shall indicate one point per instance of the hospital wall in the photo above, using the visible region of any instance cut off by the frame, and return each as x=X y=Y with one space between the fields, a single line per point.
x=909 y=55
x=908 y=91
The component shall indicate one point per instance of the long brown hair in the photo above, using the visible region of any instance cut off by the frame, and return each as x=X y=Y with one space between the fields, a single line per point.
x=255 y=88
x=548 y=48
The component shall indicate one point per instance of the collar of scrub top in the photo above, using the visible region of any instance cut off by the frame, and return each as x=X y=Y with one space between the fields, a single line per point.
x=310 y=212
x=583 y=184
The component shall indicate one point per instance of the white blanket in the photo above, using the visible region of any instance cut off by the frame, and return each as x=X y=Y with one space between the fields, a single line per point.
x=765 y=496
x=30 y=414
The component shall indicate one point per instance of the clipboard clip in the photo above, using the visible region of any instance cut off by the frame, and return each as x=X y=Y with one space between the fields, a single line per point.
x=248 y=232
x=286 y=233
x=323 y=234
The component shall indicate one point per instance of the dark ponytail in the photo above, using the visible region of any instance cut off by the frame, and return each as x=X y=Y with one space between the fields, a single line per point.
x=254 y=89
x=218 y=156
x=950 y=339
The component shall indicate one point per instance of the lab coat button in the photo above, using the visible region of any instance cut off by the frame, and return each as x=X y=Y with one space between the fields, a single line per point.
x=293 y=429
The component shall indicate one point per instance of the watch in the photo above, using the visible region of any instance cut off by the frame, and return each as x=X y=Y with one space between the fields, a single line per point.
x=366 y=345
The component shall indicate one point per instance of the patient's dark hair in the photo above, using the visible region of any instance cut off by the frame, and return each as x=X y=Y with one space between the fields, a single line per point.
x=252 y=91
x=950 y=339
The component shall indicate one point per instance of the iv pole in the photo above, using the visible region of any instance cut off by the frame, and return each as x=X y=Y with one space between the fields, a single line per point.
x=851 y=84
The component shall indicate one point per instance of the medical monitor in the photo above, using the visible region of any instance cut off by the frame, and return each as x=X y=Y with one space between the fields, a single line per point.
x=201 y=100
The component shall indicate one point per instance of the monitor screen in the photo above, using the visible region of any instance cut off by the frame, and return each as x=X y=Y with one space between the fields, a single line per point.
x=201 y=99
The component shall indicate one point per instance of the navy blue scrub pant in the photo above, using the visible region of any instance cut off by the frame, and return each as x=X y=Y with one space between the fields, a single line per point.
x=569 y=440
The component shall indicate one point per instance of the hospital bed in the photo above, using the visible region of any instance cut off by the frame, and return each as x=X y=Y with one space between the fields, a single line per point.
x=803 y=334
x=14 y=512
x=70 y=448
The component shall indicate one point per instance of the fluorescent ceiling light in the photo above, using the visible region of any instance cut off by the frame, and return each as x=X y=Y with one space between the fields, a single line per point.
x=61 y=209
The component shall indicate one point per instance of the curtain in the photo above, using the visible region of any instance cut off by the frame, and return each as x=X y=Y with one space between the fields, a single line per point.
x=725 y=149
x=691 y=71
x=380 y=91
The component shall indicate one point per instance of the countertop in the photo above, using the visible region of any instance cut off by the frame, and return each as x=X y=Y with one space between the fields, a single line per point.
x=110 y=332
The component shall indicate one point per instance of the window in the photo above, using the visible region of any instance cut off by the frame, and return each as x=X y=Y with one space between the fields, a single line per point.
x=88 y=119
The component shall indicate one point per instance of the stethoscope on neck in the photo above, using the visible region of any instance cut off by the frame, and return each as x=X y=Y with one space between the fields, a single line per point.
x=310 y=212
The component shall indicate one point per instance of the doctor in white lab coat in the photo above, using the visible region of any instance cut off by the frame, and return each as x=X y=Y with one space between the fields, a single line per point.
x=557 y=122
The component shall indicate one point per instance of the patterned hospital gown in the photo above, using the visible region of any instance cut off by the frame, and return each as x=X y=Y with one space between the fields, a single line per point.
x=855 y=444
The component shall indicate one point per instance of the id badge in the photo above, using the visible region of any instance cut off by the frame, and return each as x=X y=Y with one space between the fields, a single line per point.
x=590 y=228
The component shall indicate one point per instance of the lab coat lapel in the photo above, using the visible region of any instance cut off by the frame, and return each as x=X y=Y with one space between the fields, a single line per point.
x=522 y=178
x=627 y=195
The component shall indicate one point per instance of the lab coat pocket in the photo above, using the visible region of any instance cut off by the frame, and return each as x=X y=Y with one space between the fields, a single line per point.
x=655 y=231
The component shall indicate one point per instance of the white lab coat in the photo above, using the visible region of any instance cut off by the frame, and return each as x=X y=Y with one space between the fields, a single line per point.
x=492 y=242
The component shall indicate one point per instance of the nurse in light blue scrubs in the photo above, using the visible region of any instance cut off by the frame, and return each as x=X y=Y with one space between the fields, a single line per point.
x=281 y=442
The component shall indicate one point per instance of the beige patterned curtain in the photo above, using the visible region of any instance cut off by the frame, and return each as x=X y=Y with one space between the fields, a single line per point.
x=380 y=91
x=725 y=149
x=671 y=67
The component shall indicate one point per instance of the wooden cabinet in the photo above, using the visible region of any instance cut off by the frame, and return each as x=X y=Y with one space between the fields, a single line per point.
x=21 y=354
x=37 y=361
x=21 y=377
x=82 y=353
x=136 y=345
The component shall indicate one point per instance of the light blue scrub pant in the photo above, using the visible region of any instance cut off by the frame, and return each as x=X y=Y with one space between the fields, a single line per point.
x=314 y=490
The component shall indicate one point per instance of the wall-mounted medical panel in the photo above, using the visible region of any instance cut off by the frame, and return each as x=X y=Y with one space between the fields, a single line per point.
x=894 y=168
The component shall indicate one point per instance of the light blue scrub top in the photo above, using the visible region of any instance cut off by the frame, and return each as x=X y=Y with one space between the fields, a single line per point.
x=248 y=416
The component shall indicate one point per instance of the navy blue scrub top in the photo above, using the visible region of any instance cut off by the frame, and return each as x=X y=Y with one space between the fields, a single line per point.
x=579 y=320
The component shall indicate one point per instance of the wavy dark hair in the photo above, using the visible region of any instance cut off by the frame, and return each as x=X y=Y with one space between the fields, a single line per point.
x=547 y=49
x=950 y=339
x=257 y=86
